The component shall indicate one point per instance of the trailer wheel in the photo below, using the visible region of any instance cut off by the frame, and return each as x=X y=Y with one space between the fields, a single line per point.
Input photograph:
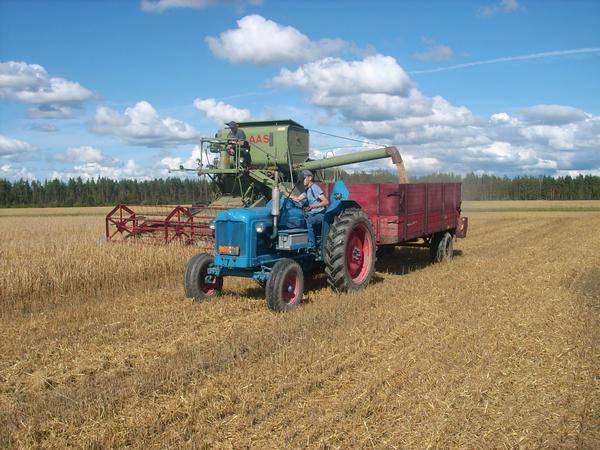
x=285 y=286
x=194 y=281
x=350 y=251
x=441 y=248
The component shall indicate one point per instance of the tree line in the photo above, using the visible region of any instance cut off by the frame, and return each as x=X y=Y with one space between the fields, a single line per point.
x=106 y=191
x=103 y=192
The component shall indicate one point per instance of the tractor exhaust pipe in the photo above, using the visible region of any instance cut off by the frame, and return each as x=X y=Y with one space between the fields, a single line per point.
x=275 y=206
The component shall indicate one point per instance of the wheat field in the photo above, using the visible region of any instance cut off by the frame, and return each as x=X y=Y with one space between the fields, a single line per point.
x=498 y=348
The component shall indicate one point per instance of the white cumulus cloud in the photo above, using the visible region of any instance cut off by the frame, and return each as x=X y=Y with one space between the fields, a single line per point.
x=262 y=42
x=558 y=137
x=85 y=154
x=54 y=111
x=30 y=83
x=45 y=127
x=503 y=118
x=174 y=162
x=374 y=95
x=553 y=114
x=12 y=173
x=142 y=125
x=11 y=147
x=158 y=6
x=378 y=101
x=502 y=7
x=221 y=112
x=334 y=77
x=435 y=52
x=92 y=170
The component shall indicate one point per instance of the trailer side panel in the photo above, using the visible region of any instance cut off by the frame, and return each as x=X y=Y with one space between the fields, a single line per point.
x=404 y=212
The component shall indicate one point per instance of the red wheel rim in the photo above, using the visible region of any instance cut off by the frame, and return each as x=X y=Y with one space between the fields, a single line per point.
x=290 y=288
x=359 y=250
x=209 y=288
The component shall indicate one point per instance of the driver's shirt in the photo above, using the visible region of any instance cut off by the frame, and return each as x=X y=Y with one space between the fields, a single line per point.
x=313 y=192
x=239 y=134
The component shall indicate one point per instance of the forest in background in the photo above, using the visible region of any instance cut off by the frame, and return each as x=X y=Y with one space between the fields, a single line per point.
x=106 y=191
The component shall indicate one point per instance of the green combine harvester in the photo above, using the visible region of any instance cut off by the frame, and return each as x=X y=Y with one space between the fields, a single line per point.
x=244 y=175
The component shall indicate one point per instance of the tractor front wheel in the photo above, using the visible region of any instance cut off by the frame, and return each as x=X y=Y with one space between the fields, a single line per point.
x=194 y=281
x=285 y=286
x=350 y=251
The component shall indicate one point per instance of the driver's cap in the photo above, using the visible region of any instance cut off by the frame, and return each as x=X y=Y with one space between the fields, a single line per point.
x=305 y=173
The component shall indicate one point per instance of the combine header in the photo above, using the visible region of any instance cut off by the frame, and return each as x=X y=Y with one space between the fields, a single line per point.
x=163 y=224
x=244 y=175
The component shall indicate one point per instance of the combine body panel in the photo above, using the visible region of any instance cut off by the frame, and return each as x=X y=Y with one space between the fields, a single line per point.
x=274 y=142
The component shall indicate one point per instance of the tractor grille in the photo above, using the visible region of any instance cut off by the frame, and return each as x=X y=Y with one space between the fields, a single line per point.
x=230 y=234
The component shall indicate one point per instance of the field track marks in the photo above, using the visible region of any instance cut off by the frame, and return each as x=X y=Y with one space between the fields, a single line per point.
x=341 y=391
x=483 y=352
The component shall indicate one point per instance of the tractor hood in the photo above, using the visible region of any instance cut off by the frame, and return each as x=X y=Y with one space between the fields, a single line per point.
x=246 y=215
x=291 y=216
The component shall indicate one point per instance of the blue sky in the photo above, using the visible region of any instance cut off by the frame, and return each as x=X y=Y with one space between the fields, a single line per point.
x=126 y=88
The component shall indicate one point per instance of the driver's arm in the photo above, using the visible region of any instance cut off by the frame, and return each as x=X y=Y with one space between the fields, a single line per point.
x=324 y=202
x=296 y=198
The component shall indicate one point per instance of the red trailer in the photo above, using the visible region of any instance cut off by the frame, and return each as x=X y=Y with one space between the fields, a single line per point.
x=411 y=214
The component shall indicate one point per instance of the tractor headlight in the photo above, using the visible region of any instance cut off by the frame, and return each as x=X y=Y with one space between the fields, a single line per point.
x=212 y=225
x=259 y=227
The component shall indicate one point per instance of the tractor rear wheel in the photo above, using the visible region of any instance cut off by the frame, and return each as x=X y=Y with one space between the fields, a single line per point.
x=285 y=286
x=350 y=251
x=441 y=248
x=194 y=279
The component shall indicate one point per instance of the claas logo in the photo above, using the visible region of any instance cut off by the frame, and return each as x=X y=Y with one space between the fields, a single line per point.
x=264 y=139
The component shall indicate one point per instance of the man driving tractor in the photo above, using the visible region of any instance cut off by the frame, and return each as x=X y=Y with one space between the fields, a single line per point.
x=317 y=202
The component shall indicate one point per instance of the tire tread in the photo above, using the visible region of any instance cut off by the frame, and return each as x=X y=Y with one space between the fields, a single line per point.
x=335 y=250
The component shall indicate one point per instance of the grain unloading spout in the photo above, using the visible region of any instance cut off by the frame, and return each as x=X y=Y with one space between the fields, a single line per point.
x=397 y=160
x=353 y=158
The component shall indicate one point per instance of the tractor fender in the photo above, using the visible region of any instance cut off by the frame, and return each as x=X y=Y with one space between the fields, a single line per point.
x=340 y=207
x=345 y=204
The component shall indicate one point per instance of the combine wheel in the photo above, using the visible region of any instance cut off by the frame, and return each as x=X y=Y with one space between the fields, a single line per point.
x=285 y=286
x=441 y=248
x=194 y=279
x=350 y=251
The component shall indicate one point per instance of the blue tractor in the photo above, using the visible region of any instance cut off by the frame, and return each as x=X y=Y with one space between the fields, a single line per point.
x=270 y=245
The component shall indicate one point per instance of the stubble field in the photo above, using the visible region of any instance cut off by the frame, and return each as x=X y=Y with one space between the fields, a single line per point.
x=498 y=348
